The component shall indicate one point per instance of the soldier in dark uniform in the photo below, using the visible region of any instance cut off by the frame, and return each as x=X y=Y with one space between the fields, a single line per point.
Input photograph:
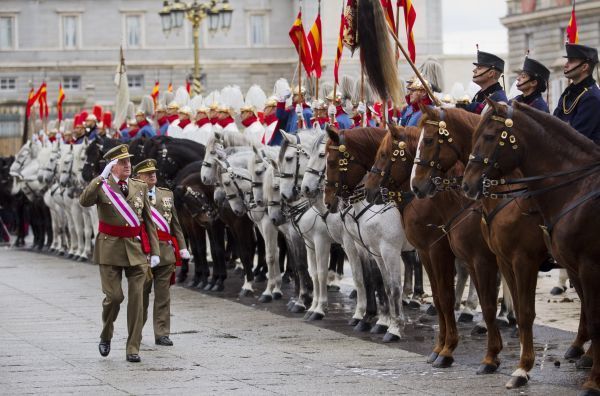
x=533 y=81
x=172 y=250
x=579 y=105
x=488 y=70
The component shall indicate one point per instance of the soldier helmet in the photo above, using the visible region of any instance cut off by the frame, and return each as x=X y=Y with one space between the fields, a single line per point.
x=579 y=51
x=489 y=60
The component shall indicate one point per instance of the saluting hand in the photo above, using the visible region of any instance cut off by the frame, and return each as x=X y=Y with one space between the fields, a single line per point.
x=106 y=171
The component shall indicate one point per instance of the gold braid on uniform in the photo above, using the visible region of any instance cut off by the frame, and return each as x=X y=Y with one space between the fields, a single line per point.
x=570 y=109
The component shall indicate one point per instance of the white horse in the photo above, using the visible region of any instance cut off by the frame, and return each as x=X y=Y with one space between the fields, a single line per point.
x=72 y=208
x=48 y=176
x=89 y=214
x=217 y=147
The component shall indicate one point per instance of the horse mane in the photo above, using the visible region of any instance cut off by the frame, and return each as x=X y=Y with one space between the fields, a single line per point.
x=451 y=115
x=364 y=142
x=317 y=143
x=563 y=138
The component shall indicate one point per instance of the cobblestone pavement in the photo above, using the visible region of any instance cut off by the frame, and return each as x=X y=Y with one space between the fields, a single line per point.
x=50 y=321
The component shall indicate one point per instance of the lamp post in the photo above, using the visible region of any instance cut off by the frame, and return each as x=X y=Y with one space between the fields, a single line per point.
x=219 y=13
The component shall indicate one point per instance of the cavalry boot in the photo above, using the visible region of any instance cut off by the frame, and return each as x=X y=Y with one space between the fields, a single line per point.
x=183 y=270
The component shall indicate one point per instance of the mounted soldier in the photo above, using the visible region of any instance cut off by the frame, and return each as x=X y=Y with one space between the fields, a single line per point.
x=172 y=250
x=417 y=96
x=288 y=117
x=533 y=81
x=487 y=72
x=126 y=236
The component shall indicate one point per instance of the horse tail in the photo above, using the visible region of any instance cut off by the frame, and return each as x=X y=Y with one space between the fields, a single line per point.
x=376 y=53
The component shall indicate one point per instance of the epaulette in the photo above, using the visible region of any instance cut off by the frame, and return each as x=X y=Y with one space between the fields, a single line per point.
x=163 y=189
x=137 y=180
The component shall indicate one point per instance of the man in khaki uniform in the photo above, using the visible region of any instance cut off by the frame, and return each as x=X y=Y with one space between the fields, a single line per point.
x=126 y=236
x=172 y=250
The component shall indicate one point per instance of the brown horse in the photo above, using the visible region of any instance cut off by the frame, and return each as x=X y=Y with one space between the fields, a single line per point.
x=390 y=176
x=560 y=168
x=448 y=134
x=431 y=178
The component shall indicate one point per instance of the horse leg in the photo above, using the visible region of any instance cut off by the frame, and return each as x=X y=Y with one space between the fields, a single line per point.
x=314 y=276
x=197 y=235
x=359 y=283
x=216 y=238
x=407 y=289
x=336 y=266
x=462 y=275
x=383 y=309
x=575 y=351
x=283 y=252
x=246 y=243
x=48 y=226
x=274 y=276
x=322 y=247
x=393 y=268
x=261 y=263
x=589 y=277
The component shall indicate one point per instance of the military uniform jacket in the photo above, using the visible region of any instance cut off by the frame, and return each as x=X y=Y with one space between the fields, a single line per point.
x=494 y=92
x=111 y=250
x=579 y=105
x=163 y=203
x=535 y=100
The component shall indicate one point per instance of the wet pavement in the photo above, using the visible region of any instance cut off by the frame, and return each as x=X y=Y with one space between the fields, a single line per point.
x=50 y=319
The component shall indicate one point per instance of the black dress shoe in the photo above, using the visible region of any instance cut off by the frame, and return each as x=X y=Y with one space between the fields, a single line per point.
x=104 y=348
x=133 y=358
x=164 y=341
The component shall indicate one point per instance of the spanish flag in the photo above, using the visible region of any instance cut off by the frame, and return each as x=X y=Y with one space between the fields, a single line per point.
x=340 y=50
x=155 y=92
x=59 y=102
x=389 y=14
x=299 y=39
x=43 y=101
x=31 y=99
x=315 y=39
x=572 y=33
x=410 y=15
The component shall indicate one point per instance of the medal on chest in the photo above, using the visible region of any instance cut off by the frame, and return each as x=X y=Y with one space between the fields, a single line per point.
x=167 y=204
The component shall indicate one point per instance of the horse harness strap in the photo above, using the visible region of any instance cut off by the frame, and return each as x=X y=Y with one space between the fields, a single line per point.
x=446 y=228
x=444 y=137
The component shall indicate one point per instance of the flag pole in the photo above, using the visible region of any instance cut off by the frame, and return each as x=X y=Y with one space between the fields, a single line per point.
x=397 y=30
x=317 y=77
x=414 y=68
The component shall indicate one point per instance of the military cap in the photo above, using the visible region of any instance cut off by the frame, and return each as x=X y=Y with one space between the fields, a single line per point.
x=117 y=153
x=299 y=90
x=489 y=60
x=416 y=85
x=173 y=106
x=249 y=108
x=578 y=51
x=535 y=69
x=271 y=102
x=148 y=165
x=185 y=110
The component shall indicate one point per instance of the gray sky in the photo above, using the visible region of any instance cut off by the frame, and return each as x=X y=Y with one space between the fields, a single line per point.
x=470 y=22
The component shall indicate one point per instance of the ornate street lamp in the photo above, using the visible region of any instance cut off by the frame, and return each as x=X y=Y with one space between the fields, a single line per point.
x=219 y=14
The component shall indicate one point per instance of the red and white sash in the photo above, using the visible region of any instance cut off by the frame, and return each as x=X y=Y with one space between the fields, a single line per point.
x=161 y=223
x=121 y=205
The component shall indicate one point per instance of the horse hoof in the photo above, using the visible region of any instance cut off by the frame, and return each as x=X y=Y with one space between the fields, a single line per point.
x=589 y=392
x=465 y=317
x=432 y=357
x=307 y=315
x=574 y=352
x=209 y=286
x=290 y=304
x=389 y=337
x=362 y=326
x=414 y=304
x=516 y=382
x=443 y=362
x=243 y=292
x=379 y=329
x=70 y=256
x=353 y=322
x=487 y=368
x=316 y=316
x=260 y=278
x=478 y=330
x=502 y=323
x=265 y=298
x=333 y=288
x=217 y=287
x=277 y=296
x=352 y=295
x=297 y=309
x=584 y=363
x=431 y=311
x=557 y=291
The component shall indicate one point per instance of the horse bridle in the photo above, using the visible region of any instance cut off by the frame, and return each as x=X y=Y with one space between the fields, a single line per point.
x=296 y=175
x=385 y=183
x=319 y=174
x=239 y=193
x=440 y=182
x=202 y=201
x=164 y=156
x=341 y=186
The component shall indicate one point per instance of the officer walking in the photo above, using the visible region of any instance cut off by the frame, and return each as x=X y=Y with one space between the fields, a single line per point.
x=126 y=236
x=172 y=250
x=533 y=81
x=488 y=70
x=579 y=104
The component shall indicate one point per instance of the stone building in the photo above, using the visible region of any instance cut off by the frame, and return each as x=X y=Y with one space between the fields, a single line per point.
x=540 y=27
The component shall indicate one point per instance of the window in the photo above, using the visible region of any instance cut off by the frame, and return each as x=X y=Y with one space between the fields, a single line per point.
x=71 y=82
x=7 y=27
x=529 y=42
x=563 y=37
x=257 y=30
x=133 y=31
x=8 y=84
x=70 y=31
x=135 y=81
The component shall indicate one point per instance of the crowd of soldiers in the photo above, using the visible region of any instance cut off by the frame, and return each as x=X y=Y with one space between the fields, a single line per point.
x=136 y=207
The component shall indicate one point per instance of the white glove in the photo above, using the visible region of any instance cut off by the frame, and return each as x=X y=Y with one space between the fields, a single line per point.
x=154 y=261
x=185 y=254
x=106 y=172
x=331 y=110
x=299 y=109
x=361 y=108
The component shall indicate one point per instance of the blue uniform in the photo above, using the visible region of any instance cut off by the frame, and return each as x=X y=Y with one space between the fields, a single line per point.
x=147 y=131
x=289 y=118
x=410 y=116
x=579 y=105
x=163 y=129
x=93 y=133
x=343 y=119
x=535 y=100
x=494 y=92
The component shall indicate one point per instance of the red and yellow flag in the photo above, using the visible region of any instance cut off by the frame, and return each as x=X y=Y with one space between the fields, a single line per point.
x=31 y=99
x=315 y=39
x=410 y=15
x=340 y=49
x=43 y=101
x=299 y=39
x=59 y=102
x=389 y=14
x=572 y=32
x=155 y=92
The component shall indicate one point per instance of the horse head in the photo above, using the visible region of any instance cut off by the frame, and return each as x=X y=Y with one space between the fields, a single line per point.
x=66 y=167
x=293 y=160
x=214 y=152
x=237 y=184
x=272 y=195
x=314 y=175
